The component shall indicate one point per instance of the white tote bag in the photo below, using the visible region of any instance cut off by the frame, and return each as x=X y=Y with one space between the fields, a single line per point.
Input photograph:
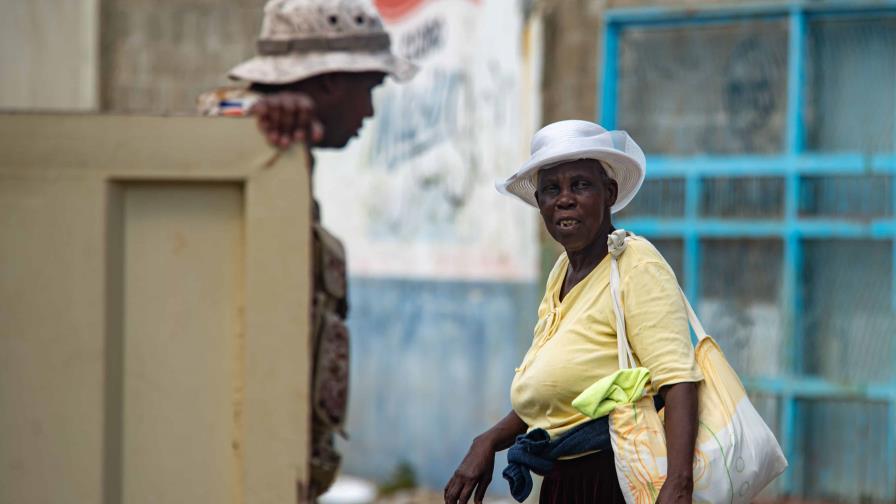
x=736 y=454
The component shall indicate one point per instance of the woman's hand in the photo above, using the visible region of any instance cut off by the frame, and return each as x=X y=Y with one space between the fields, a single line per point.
x=676 y=490
x=473 y=474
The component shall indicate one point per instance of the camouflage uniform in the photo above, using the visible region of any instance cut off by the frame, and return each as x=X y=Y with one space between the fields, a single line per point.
x=330 y=349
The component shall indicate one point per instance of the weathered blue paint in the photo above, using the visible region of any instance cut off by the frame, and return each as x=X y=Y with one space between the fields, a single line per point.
x=691 y=268
x=692 y=187
x=708 y=15
x=862 y=463
x=789 y=438
x=792 y=479
x=849 y=12
x=879 y=229
x=891 y=411
x=891 y=440
x=804 y=163
x=858 y=470
x=431 y=366
x=609 y=77
x=727 y=13
x=796 y=55
x=813 y=387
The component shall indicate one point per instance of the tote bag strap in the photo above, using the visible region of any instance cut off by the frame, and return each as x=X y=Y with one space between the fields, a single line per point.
x=623 y=349
x=692 y=317
x=616 y=244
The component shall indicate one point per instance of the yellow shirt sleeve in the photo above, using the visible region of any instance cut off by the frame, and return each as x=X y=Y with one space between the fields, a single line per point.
x=657 y=324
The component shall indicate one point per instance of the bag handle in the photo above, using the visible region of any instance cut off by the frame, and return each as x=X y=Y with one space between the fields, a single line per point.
x=616 y=243
x=692 y=317
x=623 y=349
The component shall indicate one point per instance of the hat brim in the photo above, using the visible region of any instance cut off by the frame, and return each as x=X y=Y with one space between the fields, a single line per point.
x=628 y=171
x=293 y=67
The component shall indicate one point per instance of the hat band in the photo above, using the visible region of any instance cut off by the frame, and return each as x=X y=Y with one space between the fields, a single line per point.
x=372 y=42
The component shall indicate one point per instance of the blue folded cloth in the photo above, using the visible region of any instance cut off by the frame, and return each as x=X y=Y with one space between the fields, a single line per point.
x=534 y=451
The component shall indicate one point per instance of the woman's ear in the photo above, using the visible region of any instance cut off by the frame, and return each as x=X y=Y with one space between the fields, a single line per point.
x=612 y=193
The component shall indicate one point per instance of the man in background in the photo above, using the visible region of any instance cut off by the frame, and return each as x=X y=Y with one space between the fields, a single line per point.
x=318 y=62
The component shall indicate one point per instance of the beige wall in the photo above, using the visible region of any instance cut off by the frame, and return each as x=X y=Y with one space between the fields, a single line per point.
x=158 y=55
x=154 y=312
x=571 y=32
x=49 y=54
x=120 y=55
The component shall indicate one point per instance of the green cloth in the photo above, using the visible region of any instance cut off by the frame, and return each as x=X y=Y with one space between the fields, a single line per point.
x=622 y=387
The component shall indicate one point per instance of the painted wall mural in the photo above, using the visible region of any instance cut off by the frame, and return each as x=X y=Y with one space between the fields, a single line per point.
x=443 y=288
x=414 y=196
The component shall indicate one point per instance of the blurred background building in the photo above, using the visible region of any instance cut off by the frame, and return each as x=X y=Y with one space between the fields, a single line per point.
x=769 y=130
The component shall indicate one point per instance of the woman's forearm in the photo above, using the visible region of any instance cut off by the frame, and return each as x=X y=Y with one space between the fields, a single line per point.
x=681 y=430
x=502 y=435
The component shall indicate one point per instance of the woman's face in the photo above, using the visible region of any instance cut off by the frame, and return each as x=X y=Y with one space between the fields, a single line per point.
x=574 y=199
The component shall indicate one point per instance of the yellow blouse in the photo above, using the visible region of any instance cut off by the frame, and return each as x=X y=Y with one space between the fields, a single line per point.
x=575 y=340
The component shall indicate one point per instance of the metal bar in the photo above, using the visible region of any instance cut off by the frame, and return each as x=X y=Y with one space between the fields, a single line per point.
x=686 y=15
x=692 y=257
x=891 y=413
x=811 y=387
x=893 y=269
x=690 y=15
x=892 y=426
x=793 y=255
x=793 y=306
x=608 y=93
x=788 y=440
x=707 y=19
x=849 y=14
x=692 y=249
x=891 y=449
x=795 y=82
x=751 y=166
x=821 y=228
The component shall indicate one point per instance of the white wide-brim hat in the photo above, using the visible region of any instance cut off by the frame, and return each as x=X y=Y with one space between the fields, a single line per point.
x=304 y=38
x=571 y=140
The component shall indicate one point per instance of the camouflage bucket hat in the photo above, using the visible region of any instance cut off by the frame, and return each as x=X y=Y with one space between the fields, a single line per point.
x=303 y=38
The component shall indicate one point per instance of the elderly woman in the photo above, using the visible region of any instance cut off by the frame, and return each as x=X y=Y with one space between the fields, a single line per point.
x=579 y=174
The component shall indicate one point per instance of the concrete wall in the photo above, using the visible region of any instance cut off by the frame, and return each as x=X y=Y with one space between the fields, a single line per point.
x=158 y=55
x=569 y=78
x=572 y=44
x=121 y=55
x=49 y=54
x=432 y=363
